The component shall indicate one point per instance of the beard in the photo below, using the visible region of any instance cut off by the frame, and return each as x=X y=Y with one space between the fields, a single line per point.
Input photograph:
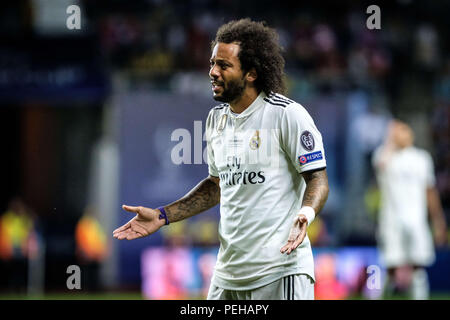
x=233 y=91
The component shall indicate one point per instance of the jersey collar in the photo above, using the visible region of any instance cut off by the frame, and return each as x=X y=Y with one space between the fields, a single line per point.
x=255 y=105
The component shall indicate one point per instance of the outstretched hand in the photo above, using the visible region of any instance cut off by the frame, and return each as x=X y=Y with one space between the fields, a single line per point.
x=143 y=224
x=296 y=235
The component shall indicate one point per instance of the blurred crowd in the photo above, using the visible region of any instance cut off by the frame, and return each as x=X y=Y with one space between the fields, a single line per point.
x=406 y=63
x=330 y=44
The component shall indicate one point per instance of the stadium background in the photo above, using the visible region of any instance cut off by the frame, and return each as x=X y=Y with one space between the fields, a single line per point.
x=114 y=113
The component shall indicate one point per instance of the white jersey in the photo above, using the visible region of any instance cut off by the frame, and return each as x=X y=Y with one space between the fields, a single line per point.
x=403 y=183
x=403 y=231
x=258 y=156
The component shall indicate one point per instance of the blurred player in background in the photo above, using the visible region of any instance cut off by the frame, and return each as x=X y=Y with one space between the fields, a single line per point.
x=267 y=200
x=406 y=179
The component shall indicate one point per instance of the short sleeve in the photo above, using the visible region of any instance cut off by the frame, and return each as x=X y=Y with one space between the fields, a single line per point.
x=430 y=177
x=301 y=139
x=212 y=169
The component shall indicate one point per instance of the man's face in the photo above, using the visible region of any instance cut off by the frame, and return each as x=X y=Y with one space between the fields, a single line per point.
x=227 y=79
x=402 y=135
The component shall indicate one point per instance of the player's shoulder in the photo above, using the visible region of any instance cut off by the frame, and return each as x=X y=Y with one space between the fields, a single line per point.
x=216 y=112
x=278 y=100
x=420 y=152
x=221 y=106
x=284 y=106
x=219 y=109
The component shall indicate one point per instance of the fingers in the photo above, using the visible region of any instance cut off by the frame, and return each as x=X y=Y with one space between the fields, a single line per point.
x=117 y=233
x=126 y=226
x=135 y=228
x=139 y=229
x=128 y=234
x=286 y=246
x=120 y=235
x=296 y=235
x=122 y=228
x=131 y=230
x=293 y=234
x=131 y=208
x=298 y=241
x=292 y=245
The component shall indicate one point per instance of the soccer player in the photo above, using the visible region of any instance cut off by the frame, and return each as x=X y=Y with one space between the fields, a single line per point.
x=406 y=179
x=267 y=170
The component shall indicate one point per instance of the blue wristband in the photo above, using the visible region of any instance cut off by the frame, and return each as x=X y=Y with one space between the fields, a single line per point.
x=163 y=215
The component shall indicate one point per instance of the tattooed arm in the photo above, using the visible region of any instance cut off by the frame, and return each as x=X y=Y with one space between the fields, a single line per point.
x=202 y=197
x=315 y=196
x=316 y=193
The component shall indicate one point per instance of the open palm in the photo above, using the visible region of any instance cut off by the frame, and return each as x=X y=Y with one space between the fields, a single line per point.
x=143 y=224
x=296 y=235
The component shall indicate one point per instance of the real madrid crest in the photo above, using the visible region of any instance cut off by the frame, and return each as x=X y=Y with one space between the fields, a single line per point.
x=255 y=141
x=221 y=124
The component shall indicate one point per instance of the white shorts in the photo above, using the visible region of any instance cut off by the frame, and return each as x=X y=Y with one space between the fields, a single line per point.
x=406 y=245
x=293 y=287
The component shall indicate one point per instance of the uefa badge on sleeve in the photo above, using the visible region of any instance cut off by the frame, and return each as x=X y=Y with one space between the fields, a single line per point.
x=310 y=157
x=307 y=141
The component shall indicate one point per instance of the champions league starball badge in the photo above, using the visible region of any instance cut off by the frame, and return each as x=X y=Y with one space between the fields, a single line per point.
x=255 y=141
x=307 y=140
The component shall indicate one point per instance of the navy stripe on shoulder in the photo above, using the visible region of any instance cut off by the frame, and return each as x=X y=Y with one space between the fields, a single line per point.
x=221 y=106
x=280 y=100
x=281 y=104
x=280 y=97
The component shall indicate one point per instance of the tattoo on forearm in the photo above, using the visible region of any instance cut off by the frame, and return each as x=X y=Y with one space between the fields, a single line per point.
x=202 y=197
x=316 y=193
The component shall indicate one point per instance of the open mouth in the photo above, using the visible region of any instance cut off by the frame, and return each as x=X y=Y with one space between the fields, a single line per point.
x=216 y=86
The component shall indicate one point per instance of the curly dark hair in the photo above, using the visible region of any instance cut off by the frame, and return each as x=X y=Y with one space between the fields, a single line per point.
x=259 y=49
